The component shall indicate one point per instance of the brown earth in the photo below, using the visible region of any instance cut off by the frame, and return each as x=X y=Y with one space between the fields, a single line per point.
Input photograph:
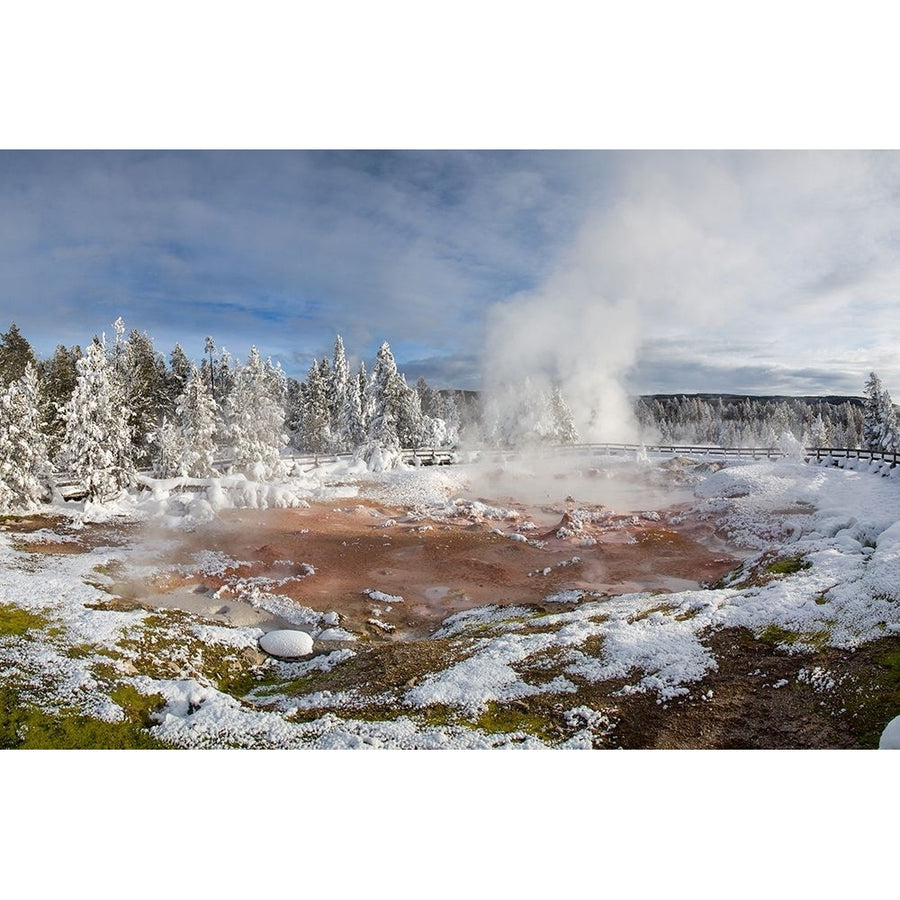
x=439 y=567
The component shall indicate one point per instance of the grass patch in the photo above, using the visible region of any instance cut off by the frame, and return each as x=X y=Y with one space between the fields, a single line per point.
x=507 y=720
x=138 y=707
x=30 y=728
x=16 y=621
x=788 y=565
x=775 y=634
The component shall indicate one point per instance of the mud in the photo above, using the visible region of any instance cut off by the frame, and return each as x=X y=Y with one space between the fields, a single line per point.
x=325 y=557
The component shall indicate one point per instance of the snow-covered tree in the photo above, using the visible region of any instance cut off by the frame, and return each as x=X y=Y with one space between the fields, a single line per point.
x=196 y=418
x=177 y=375
x=387 y=396
x=97 y=444
x=410 y=424
x=57 y=383
x=880 y=428
x=168 y=447
x=563 y=423
x=352 y=423
x=24 y=466
x=256 y=416
x=143 y=373
x=340 y=386
x=315 y=428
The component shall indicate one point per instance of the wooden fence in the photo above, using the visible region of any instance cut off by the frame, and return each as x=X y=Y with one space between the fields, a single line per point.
x=73 y=488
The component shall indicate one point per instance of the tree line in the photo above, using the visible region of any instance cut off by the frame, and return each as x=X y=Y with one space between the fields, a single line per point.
x=119 y=406
x=869 y=423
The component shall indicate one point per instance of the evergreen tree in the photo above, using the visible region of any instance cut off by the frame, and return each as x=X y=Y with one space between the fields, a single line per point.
x=340 y=385
x=167 y=455
x=563 y=423
x=177 y=375
x=365 y=396
x=97 y=444
x=24 y=465
x=410 y=424
x=15 y=354
x=880 y=430
x=143 y=372
x=293 y=422
x=196 y=411
x=387 y=397
x=316 y=420
x=256 y=415
x=429 y=400
x=57 y=384
x=210 y=348
x=353 y=426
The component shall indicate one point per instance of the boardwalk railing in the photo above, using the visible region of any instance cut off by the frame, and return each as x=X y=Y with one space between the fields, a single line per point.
x=73 y=488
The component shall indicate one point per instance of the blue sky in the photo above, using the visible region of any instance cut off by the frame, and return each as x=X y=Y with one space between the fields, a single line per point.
x=678 y=271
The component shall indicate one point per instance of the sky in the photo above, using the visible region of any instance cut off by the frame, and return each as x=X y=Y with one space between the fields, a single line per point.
x=665 y=271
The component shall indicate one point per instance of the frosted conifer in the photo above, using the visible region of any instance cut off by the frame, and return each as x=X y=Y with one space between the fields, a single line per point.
x=340 y=386
x=386 y=393
x=316 y=420
x=256 y=415
x=24 y=467
x=196 y=412
x=563 y=423
x=97 y=444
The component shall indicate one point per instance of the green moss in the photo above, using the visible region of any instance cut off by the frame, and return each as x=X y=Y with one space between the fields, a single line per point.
x=775 y=634
x=30 y=728
x=788 y=565
x=138 y=707
x=877 y=699
x=16 y=621
x=507 y=719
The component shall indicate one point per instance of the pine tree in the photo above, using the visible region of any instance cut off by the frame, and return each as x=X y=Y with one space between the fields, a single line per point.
x=340 y=386
x=880 y=430
x=196 y=412
x=316 y=419
x=168 y=448
x=352 y=425
x=256 y=414
x=410 y=424
x=15 y=354
x=143 y=373
x=177 y=375
x=97 y=444
x=563 y=423
x=387 y=396
x=57 y=383
x=365 y=396
x=24 y=465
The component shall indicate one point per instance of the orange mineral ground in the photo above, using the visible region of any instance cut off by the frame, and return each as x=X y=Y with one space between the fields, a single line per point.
x=326 y=556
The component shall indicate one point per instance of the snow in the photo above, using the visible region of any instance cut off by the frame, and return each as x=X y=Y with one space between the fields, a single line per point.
x=843 y=521
x=381 y=597
x=287 y=643
x=890 y=737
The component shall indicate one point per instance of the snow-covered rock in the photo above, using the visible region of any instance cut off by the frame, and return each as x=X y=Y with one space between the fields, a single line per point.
x=286 y=643
x=890 y=737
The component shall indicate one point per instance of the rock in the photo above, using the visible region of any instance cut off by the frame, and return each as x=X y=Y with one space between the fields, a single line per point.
x=890 y=737
x=286 y=643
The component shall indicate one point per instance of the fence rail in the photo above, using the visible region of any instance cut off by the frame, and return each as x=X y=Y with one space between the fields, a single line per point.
x=71 y=487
